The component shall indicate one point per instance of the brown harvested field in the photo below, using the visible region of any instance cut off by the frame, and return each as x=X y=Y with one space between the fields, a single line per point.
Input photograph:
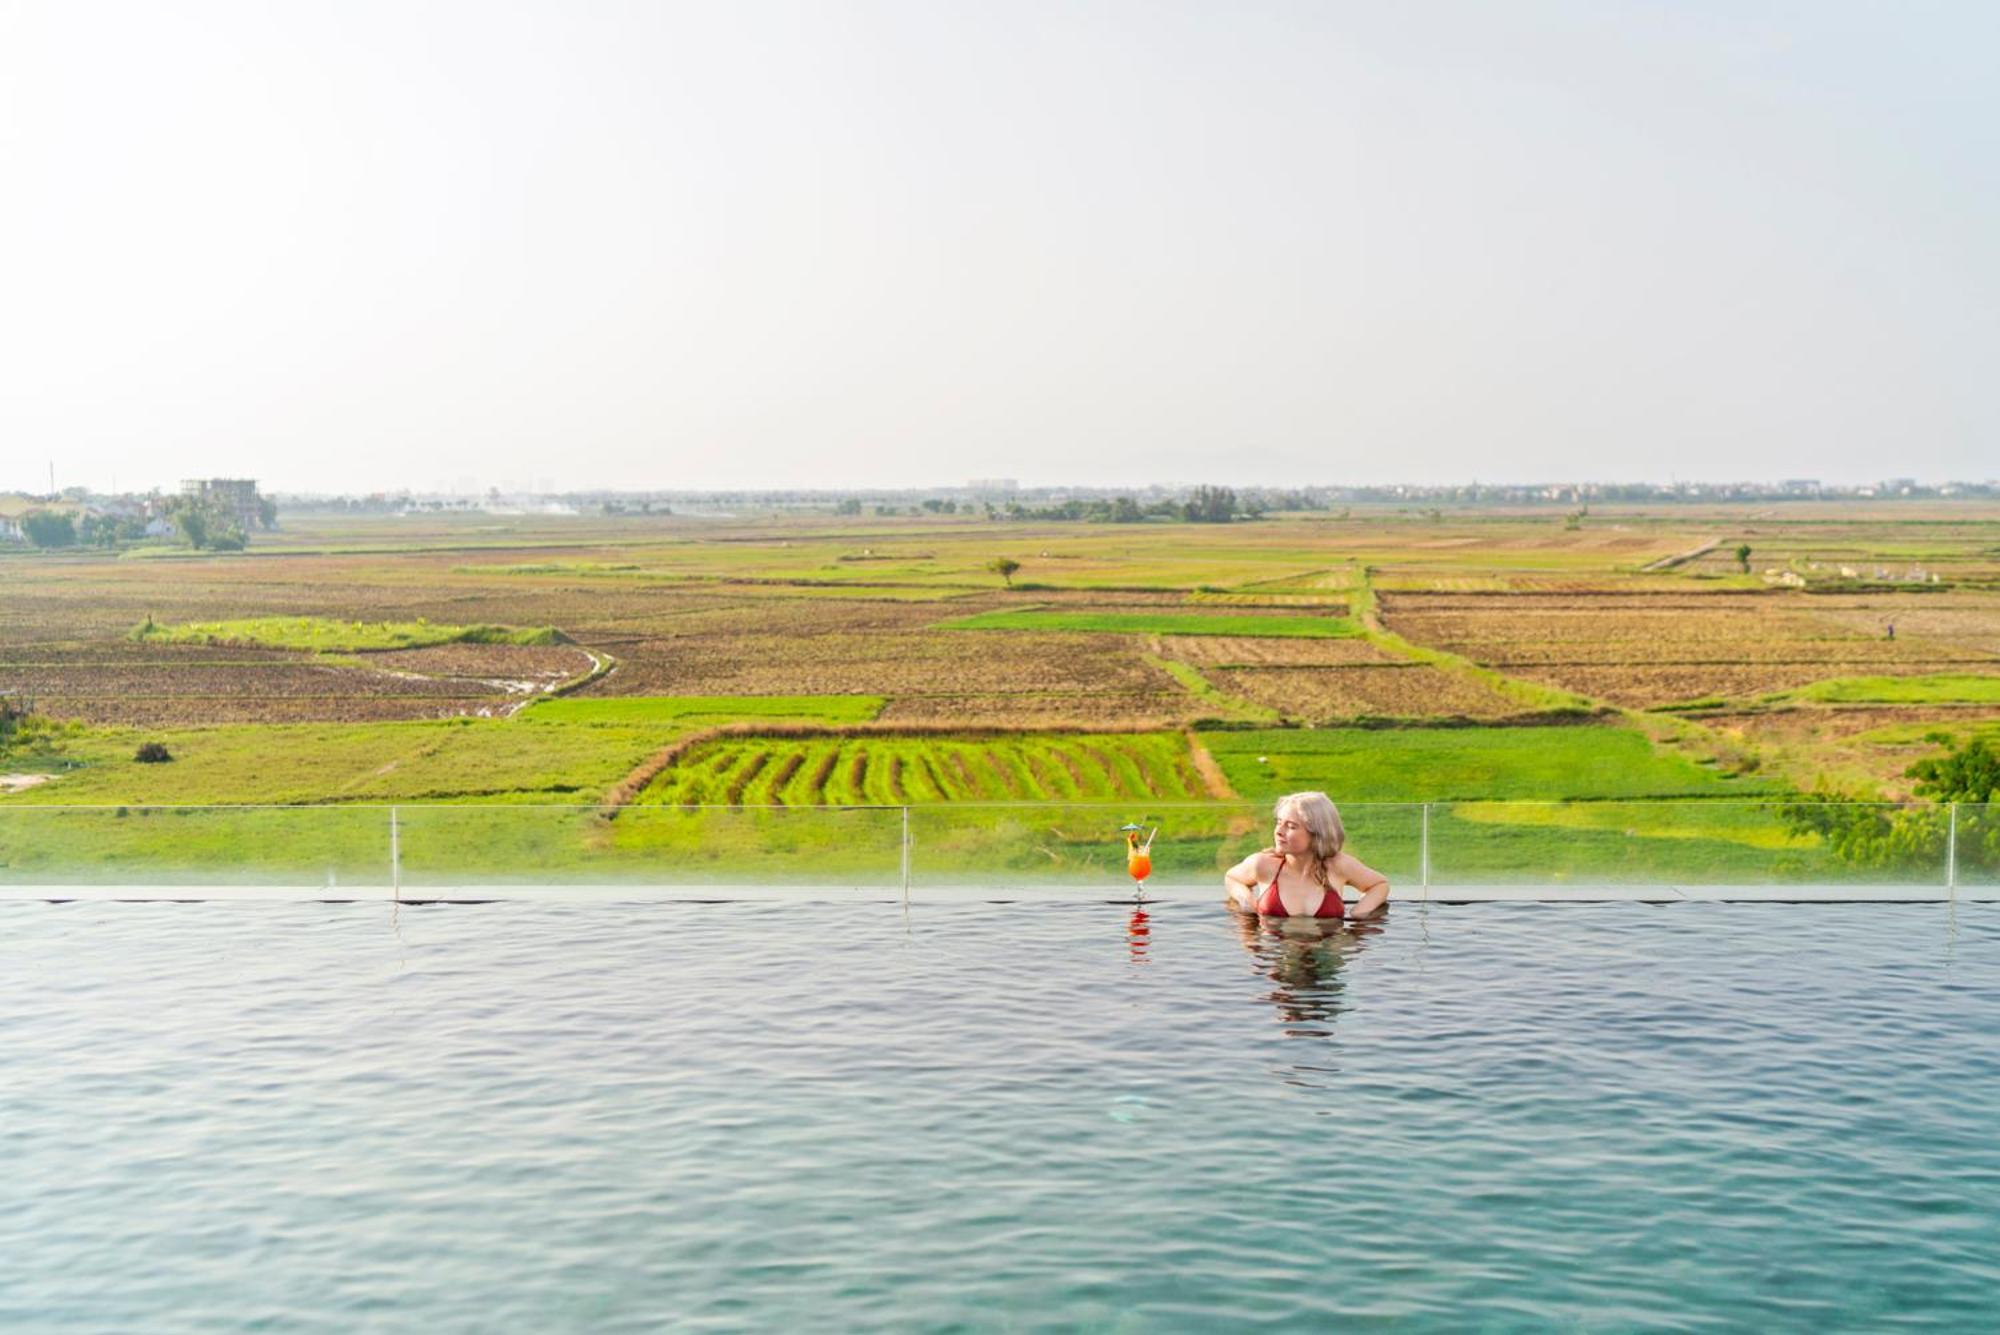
x=1638 y=686
x=1328 y=694
x=273 y=680
x=781 y=604
x=1843 y=655
x=538 y=663
x=122 y=681
x=190 y=710
x=1220 y=651
x=1649 y=650
x=841 y=663
x=1968 y=622
x=152 y=653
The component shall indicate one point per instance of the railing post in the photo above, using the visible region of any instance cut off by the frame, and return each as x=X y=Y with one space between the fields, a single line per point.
x=395 y=856
x=906 y=855
x=1424 y=857
x=1951 y=854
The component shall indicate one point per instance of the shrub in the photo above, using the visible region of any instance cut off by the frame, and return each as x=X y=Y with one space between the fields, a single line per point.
x=1882 y=836
x=152 y=753
x=47 y=528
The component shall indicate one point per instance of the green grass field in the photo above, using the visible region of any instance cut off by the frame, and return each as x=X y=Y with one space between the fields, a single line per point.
x=327 y=636
x=504 y=760
x=1159 y=623
x=1934 y=689
x=1536 y=804
x=1440 y=764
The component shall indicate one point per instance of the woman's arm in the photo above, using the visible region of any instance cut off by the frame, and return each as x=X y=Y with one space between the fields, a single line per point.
x=1371 y=885
x=1240 y=882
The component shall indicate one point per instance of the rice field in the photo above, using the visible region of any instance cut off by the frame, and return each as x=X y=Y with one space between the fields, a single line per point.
x=345 y=659
x=887 y=770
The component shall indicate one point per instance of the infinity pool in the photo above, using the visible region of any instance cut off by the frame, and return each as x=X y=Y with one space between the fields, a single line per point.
x=530 y=1116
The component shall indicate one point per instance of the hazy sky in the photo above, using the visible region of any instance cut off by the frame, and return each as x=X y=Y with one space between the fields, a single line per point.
x=355 y=245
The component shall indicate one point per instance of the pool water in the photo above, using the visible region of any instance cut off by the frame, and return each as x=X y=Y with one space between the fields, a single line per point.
x=990 y=1116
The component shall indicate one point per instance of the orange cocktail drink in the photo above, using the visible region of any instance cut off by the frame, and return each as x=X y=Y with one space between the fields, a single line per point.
x=1138 y=856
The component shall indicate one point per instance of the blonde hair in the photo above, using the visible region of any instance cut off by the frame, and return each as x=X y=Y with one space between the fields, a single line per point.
x=1321 y=818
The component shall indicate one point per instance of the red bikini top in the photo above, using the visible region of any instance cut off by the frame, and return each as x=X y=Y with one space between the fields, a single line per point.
x=1272 y=905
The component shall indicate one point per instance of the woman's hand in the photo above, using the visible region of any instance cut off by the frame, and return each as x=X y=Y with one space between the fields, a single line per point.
x=1240 y=882
x=1371 y=885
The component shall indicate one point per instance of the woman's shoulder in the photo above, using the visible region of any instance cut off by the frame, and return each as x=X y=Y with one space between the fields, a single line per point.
x=1265 y=863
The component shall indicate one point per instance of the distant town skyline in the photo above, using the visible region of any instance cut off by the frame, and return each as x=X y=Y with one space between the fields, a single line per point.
x=469 y=489
x=876 y=243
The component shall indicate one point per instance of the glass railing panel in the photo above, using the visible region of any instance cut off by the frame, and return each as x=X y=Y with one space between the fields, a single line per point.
x=1688 y=843
x=303 y=848
x=1060 y=848
x=1081 y=848
x=1976 y=846
x=748 y=847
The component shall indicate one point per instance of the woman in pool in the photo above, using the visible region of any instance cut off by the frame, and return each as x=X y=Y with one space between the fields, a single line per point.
x=1300 y=875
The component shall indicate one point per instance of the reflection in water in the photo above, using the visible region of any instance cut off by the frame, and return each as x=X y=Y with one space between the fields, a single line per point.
x=1139 y=934
x=1304 y=957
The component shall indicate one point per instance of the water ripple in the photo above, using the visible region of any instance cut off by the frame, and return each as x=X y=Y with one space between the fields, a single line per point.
x=720 y=1116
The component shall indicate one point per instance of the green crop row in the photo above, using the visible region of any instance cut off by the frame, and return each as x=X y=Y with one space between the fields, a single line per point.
x=892 y=771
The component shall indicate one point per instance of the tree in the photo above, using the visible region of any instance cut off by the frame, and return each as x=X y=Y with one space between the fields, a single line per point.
x=1004 y=567
x=1968 y=774
x=193 y=525
x=14 y=711
x=110 y=530
x=1879 y=835
x=1743 y=557
x=1210 y=505
x=49 y=528
x=267 y=513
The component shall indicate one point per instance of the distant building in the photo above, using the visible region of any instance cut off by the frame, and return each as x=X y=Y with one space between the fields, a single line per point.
x=230 y=495
x=15 y=507
x=993 y=486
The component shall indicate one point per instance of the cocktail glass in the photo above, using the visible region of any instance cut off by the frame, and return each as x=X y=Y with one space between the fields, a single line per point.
x=1139 y=858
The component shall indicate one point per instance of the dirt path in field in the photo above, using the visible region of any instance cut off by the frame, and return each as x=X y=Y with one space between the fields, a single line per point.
x=1680 y=558
x=21 y=783
x=1211 y=773
x=602 y=665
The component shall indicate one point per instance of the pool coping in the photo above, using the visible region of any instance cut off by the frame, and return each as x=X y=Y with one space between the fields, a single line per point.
x=948 y=894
